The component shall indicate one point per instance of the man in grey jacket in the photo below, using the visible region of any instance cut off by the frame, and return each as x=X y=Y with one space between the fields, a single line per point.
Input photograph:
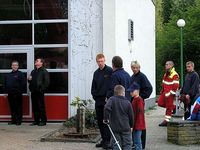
x=118 y=112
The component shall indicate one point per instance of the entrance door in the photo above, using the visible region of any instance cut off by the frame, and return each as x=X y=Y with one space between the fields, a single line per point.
x=25 y=58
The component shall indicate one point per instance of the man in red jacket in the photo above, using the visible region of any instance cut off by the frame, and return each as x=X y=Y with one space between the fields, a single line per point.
x=170 y=85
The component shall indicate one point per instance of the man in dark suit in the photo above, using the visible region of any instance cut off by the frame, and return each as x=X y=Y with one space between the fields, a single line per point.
x=15 y=85
x=38 y=83
x=100 y=85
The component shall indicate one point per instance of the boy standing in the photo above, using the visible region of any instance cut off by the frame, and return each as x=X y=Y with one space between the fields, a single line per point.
x=119 y=114
x=138 y=110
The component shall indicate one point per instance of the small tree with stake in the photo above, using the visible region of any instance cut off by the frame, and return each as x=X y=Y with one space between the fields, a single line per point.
x=81 y=105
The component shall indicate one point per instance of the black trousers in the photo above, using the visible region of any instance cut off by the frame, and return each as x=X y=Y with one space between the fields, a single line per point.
x=187 y=110
x=143 y=138
x=38 y=106
x=104 y=131
x=15 y=103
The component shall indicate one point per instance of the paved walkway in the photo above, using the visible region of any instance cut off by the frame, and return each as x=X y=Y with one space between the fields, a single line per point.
x=27 y=137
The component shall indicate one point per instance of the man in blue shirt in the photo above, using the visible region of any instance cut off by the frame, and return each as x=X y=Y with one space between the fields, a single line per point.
x=119 y=77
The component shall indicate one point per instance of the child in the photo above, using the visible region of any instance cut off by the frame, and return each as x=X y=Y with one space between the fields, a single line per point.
x=118 y=112
x=138 y=110
x=195 y=109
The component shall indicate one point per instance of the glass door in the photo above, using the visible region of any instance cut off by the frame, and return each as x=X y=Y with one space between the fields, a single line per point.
x=25 y=58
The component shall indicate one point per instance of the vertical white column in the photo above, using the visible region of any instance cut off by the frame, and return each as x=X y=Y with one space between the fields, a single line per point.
x=109 y=29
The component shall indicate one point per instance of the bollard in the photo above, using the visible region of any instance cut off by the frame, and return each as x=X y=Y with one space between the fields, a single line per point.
x=80 y=121
x=178 y=115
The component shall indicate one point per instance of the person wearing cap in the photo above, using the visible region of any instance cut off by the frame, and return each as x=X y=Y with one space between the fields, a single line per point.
x=119 y=114
x=139 y=118
x=145 y=88
x=170 y=84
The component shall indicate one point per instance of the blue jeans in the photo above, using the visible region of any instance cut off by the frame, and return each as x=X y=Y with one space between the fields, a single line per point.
x=137 y=139
x=124 y=139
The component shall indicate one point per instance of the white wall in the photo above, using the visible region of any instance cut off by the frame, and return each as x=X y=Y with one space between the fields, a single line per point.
x=109 y=26
x=142 y=12
x=102 y=26
x=85 y=41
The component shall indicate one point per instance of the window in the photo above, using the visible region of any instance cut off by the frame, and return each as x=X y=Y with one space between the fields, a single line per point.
x=15 y=34
x=55 y=58
x=6 y=59
x=15 y=10
x=57 y=64
x=51 y=33
x=58 y=82
x=43 y=26
x=51 y=9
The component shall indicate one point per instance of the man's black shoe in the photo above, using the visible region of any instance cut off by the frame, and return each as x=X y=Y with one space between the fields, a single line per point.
x=34 y=124
x=174 y=111
x=99 y=145
x=42 y=124
x=11 y=123
x=107 y=146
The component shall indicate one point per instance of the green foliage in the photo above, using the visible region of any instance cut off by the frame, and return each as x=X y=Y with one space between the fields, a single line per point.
x=90 y=120
x=167 y=8
x=90 y=115
x=78 y=102
x=159 y=19
x=168 y=39
x=71 y=122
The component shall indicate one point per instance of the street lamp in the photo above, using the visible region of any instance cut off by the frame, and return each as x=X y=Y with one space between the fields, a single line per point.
x=181 y=24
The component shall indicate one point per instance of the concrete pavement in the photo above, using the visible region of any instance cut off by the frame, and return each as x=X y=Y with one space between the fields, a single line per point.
x=157 y=136
x=27 y=137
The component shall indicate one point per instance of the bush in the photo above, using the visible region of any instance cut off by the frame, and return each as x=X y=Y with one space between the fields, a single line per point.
x=90 y=120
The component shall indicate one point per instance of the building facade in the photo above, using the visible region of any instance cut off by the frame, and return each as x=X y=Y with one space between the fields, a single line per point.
x=68 y=34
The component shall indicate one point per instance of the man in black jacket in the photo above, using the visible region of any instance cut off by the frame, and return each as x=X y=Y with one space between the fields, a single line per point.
x=100 y=85
x=38 y=83
x=15 y=85
x=119 y=113
x=190 y=87
x=145 y=89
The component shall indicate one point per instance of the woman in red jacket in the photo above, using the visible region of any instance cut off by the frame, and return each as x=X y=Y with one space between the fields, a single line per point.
x=139 y=119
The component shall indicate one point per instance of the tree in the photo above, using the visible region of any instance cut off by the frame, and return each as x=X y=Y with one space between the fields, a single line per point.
x=167 y=8
x=168 y=39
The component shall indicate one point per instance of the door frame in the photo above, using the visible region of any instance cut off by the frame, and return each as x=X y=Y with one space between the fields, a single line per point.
x=29 y=50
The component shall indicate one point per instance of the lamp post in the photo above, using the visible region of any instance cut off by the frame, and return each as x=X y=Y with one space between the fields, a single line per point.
x=181 y=24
